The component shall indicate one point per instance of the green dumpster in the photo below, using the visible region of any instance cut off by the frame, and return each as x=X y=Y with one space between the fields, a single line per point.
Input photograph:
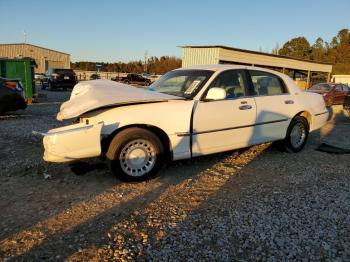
x=21 y=69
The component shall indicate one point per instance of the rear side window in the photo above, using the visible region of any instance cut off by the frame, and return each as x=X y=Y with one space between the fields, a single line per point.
x=267 y=84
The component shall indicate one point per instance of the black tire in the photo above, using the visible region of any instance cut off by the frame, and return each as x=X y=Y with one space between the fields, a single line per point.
x=126 y=82
x=139 y=139
x=289 y=144
x=147 y=83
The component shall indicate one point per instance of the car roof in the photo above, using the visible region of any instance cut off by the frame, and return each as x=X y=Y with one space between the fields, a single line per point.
x=222 y=67
x=215 y=67
x=329 y=83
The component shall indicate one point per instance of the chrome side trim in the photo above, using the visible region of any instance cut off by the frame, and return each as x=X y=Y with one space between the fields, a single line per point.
x=230 y=128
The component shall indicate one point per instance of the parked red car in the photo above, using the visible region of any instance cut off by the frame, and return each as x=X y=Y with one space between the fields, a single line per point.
x=333 y=94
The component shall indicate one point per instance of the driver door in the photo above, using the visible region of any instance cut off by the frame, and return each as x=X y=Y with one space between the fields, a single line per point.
x=226 y=123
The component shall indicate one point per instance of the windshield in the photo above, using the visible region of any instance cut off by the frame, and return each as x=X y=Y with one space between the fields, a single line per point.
x=183 y=83
x=322 y=87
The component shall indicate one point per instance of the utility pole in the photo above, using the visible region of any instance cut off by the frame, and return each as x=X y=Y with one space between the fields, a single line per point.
x=145 y=67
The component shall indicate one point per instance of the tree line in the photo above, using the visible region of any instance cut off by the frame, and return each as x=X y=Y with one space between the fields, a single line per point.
x=154 y=65
x=336 y=52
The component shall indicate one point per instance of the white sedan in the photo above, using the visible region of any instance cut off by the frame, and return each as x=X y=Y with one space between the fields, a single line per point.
x=187 y=113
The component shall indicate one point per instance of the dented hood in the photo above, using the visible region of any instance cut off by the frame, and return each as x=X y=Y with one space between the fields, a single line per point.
x=90 y=95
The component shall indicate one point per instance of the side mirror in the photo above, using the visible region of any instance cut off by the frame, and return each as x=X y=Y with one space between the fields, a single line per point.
x=216 y=93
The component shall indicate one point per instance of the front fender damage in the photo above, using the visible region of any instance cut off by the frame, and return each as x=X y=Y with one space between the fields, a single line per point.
x=70 y=143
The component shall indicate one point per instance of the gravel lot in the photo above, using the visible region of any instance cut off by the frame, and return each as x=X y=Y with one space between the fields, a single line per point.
x=250 y=204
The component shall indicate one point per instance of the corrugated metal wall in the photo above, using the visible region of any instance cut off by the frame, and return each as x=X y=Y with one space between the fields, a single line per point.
x=199 y=56
x=266 y=60
x=214 y=55
x=43 y=57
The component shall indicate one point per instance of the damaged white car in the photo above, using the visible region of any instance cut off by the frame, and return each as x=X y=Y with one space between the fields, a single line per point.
x=187 y=113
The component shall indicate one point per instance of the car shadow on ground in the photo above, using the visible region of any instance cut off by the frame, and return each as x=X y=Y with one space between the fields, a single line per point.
x=62 y=230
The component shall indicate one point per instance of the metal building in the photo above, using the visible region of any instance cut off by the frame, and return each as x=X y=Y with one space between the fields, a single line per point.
x=44 y=57
x=202 y=55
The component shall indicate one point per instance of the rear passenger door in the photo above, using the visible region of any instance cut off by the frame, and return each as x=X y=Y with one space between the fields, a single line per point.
x=275 y=106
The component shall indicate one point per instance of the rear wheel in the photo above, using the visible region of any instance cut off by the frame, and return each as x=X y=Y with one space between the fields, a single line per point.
x=297 y=134
x=135 y=154
x=126 y=82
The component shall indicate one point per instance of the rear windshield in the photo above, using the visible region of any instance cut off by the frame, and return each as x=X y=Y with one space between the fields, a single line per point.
x=321 y=87
x=64 y=71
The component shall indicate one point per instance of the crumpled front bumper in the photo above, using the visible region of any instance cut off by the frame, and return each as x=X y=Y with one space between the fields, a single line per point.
x=72 y=142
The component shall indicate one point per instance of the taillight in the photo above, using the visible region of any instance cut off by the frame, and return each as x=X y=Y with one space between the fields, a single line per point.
x=13 y=85
x=55 y=75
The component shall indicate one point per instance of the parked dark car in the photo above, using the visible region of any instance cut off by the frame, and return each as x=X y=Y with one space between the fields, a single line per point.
x=333 y=94
x=135 y=79
x=59 y=78
x=11 y=95
x=95 y=77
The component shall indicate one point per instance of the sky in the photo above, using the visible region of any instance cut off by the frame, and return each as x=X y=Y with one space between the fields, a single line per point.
x=111 y=31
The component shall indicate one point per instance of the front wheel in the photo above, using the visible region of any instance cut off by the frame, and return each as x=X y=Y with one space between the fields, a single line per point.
x=297 y=134
x=135 y=154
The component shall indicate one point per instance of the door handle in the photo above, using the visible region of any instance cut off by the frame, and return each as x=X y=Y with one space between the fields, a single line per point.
x=245 y=107
x=289 y=102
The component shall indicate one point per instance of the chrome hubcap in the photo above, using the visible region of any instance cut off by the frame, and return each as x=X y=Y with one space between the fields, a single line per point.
x=138 y=157
x=297 y=135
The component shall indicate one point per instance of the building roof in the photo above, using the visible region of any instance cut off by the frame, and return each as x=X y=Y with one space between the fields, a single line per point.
x=252 y=52
x=36 y=47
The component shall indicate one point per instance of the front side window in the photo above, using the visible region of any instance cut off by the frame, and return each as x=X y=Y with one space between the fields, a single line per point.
x=267 y=84
x=232 y=82
x=183 y=83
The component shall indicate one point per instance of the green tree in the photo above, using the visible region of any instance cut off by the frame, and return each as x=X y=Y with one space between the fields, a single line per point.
x=297 y=47
x=318 y=50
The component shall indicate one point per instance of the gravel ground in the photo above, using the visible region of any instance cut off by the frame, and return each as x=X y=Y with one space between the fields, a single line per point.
x=250 y=204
